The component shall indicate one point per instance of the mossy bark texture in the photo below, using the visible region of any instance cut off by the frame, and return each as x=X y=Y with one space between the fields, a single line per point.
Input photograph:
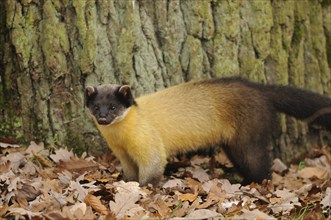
x=51 y=49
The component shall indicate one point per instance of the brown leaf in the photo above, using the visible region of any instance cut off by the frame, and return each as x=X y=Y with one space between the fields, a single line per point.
x=125 y=201
x=174 y=183
x=254 y=214
x=22 y=212
x=199 y=160
x=61 y=155
x=6 y=145
x=40 y=206
x=38 y=149
x=80 y=191
x=28 y=191
x=42 y=161
x=55 y=215
x=199 y=173
x=158 y=204
x=326 y=201
x=222 y=158
x=289 y=200
x=96 y=204
x=187 y=197
x=278 y=166
x=3 y=210
x=4 y=167
x=110 y=216
x=310 y=172
x=16 y=159
x=21 y=200
x=204 y=214
x=77 y=165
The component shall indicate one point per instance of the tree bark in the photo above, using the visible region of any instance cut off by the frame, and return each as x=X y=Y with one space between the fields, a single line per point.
x=52 y=49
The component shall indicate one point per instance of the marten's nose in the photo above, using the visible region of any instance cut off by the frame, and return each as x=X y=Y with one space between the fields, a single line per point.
x=102 y=121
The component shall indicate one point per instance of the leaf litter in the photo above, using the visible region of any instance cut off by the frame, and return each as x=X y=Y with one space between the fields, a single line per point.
x=37 y=184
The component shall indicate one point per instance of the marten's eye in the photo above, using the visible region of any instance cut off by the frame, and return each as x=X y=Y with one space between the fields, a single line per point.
x=96 y=108
x=112 y=107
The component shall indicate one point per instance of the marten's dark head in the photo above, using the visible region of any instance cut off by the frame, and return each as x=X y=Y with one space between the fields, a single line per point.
x=109 y=103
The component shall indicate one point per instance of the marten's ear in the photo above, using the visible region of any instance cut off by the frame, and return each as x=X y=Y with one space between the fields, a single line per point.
x=89 y=92
x=126 y=95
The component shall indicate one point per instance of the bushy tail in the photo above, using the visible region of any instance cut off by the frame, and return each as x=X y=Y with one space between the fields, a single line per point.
x=300 y=103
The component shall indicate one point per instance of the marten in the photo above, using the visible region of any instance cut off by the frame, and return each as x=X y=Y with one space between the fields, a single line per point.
x=234 y=113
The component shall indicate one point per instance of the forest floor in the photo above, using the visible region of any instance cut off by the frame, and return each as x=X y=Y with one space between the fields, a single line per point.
x=38 y=183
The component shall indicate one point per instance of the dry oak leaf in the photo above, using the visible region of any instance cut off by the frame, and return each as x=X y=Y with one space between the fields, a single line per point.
x=158 y=204
x=4 y=166
x=3 y=209
x=125 y=204
x=254 y=214
x=278 y=166
x=80 y=192
x=37 y=148
x=16 y=159
x=199 y=173
x=289 y=200
x=310 y=172
x=77 y=165
x=221 y=158
x=187 y=197
x=326 y=201
x=42 y=161
x=23 y=212
x=125 y=199
x=5 y=145
x=61 y=155
x=78 y=211
x=198 y=160
x=174 y=183
x=204 y=214
x=96 y=204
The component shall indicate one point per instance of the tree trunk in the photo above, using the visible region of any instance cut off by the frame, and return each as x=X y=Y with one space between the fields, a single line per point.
x=52 y=49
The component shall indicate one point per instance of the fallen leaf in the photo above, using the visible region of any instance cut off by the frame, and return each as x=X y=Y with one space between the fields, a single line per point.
x=212 y=199
x=158 y=204
x=204 y=214
x=304 y=190
x=16 y=159
x=310 y=172
x=187 y=197
x=37 y=148
x=6 y=145
x=289 y=200
x=30 y=188
x=124 y=204
x=4 y=166
x=61 y=155
x=77 y=165
x=278 y=166
x=230 y=189
x=78 y=210
x=222 y=158
x=42 y=161
x=198 y=173
x=3 y=209
x=96 y=204
x=22 y=212
x=326 y=201
x=198 y=160
x=79 y=190
x=174 y=183
x=254 y=214
x=129 y=187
